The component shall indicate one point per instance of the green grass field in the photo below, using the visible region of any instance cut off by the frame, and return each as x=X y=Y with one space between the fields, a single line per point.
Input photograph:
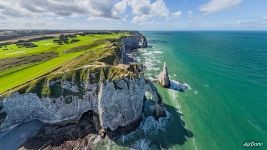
x=22 y=73
x=49 y=45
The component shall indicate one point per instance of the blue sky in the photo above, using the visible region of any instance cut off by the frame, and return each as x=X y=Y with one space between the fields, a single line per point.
x=134 y=14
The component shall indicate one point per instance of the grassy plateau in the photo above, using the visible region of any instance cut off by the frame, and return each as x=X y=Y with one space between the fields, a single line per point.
x=24 y=61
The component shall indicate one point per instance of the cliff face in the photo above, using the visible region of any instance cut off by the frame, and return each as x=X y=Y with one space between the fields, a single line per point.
x=118 y=103
x=115 y=92
x=135 y=40
x=130 y=43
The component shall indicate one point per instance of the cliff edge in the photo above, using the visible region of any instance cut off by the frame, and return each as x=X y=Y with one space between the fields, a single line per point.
x=112 y=90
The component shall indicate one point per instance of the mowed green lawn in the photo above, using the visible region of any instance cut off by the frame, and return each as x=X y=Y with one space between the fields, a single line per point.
x=16 y=76
x=49 y=45
x=14 y=51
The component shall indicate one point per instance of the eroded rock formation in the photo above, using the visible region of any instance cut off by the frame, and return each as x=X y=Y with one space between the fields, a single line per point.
x=163 y=78
x=164 y=81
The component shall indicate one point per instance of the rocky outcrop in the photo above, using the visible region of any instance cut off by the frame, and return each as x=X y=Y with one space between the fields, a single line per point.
x=163 y=78
x=164 y=81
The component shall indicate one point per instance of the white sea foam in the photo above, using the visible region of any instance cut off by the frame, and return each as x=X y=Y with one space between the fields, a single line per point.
x=152 y=126
x=194 y=143
x=148 y=95
x=151 y=78
x=174 y=98
x=176 y=85
x=142 y=144
x=148 y=127
x=151 y=58
x=152 y=53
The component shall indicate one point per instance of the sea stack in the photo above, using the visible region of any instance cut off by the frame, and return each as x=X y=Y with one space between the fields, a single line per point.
x=163 y=78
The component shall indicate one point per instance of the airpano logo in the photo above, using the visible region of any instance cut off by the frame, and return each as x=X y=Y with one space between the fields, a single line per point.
x=253 y=144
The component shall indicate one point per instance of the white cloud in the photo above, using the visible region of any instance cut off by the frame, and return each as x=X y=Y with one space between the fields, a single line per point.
x=146 y=10
x=245 y=22
x=218 y=5
x=140 y=7
x=114 y=9
x=34 y=12
x=93 y=8
x=101 y=8
x=177 y=14
x=8 y=8
x=159 y=8
x=120 y=8
x=252 y=22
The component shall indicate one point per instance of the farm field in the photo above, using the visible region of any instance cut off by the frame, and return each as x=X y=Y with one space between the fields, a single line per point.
x=20 y=64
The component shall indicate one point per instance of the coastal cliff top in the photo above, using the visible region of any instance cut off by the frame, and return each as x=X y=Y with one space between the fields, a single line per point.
x=25 y=61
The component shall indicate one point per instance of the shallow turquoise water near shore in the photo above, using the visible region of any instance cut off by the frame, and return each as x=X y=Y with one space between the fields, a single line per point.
x=227 y=72
x=227 y=104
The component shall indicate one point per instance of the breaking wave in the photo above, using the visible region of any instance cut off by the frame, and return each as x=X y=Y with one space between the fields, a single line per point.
x=149 y=127
x=150 y=57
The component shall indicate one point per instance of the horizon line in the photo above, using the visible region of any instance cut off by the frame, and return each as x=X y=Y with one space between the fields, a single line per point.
x=137 y=30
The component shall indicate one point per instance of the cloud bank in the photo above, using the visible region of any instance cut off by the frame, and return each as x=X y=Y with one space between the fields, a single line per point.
x=126 y=14
x=140 y=11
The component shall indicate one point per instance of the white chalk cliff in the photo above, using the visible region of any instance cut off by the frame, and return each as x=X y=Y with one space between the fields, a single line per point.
x=118 y=102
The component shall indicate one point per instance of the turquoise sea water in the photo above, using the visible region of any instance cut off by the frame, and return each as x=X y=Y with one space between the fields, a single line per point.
x=227 y=104
x=227 y=72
